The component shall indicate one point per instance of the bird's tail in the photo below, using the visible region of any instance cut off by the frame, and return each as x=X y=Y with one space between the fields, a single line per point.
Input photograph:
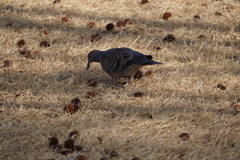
x=158 y=62
x=154 y=62
x=151 y=62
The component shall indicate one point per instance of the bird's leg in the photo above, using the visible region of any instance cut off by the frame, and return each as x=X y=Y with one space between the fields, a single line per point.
x=130 y=80
x=113 y=80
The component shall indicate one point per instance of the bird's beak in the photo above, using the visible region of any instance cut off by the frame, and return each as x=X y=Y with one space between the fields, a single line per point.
x=88 y=65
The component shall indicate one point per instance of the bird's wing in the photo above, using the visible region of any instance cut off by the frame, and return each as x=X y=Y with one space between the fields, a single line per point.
x=115 y=61
x=119 y=50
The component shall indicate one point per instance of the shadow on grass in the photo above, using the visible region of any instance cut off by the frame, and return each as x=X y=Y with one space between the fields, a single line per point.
x=144 y=111
x=51 y=11
x=167 y=25
x=60 y=85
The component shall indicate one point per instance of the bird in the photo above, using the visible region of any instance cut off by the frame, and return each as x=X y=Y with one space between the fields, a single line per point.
x=120 y=62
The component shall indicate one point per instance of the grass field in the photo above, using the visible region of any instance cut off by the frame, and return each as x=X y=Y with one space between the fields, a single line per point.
x=190 y=105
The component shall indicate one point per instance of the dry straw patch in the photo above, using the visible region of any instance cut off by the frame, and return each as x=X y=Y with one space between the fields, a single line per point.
x=190 y=105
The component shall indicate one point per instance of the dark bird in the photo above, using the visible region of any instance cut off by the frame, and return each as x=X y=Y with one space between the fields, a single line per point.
x=120 y=62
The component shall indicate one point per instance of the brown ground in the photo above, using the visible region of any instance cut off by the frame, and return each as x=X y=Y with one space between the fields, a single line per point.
x=190 y=108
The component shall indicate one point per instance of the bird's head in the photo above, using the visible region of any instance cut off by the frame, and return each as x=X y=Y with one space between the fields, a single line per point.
x=93 y=56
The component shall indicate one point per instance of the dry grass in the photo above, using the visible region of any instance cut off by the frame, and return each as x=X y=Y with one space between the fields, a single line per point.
x=182 y=96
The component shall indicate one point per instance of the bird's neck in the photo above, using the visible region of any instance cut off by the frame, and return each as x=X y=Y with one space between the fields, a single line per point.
x=97 y=57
